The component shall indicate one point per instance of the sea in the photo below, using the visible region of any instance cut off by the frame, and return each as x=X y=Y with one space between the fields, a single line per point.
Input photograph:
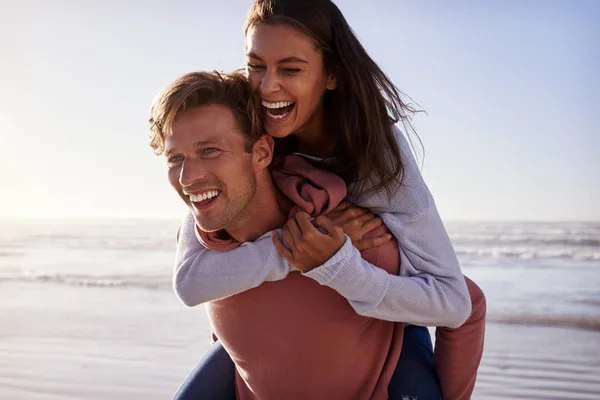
x=541 y=280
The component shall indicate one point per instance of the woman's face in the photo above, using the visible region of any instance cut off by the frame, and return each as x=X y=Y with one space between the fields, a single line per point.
x=285 y=67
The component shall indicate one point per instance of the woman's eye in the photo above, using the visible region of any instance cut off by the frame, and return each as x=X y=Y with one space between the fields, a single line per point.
x=291 y=70
x=254 y=67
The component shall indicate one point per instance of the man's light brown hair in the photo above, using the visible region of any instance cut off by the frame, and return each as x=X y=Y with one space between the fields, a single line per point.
x=196 y=89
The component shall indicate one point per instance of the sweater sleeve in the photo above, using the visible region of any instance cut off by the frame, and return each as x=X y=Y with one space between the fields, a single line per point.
x=430 y=289
x=203 y=275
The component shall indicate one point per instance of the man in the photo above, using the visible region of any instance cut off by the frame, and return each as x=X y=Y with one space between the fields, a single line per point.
x=292 y=338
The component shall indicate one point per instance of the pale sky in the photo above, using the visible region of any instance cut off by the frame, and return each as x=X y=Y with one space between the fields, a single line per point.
x=511 y=89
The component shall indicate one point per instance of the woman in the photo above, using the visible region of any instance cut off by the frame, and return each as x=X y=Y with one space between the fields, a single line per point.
x=323 y=96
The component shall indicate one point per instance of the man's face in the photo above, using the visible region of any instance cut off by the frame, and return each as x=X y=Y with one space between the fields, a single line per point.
x=209 y=166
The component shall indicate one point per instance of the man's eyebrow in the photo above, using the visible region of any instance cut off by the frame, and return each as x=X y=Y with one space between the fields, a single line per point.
x=282 y=61
x=205 y=142
x=199 y=143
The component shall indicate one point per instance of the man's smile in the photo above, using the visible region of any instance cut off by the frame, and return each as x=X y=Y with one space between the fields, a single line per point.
x=202 y=200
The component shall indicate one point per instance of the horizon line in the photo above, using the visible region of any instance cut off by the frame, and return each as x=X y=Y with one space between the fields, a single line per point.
x=172 y=217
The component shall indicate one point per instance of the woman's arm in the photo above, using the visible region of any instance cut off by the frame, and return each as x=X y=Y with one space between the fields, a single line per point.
x=430 y=278
x=203 y=275
x=432 y=298
x=430 y=288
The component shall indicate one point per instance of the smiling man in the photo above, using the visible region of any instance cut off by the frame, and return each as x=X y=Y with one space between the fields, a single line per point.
x=217 y=157
x=290 y=338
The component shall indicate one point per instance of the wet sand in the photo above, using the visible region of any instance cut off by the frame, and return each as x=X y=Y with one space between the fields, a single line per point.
x=60 y=342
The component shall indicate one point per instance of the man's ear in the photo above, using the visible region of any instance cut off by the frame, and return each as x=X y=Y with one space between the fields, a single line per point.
x=262 y=152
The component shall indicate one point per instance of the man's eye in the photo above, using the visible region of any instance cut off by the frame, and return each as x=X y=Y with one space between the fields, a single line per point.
x=210 y=150
x=174 y=159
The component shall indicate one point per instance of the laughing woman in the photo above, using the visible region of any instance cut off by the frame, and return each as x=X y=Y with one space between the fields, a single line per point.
x=324 y=97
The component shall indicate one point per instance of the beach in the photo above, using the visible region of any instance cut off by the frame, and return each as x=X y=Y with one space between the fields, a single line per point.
x=87 y=310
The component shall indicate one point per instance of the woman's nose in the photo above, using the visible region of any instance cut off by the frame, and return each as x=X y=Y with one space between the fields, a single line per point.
x=269 y=82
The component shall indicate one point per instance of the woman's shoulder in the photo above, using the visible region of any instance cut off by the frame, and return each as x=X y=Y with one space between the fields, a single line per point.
x=407 y=193
x=410 y=166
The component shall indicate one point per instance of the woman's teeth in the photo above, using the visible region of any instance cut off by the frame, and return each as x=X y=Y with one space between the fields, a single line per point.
x=196 y=198
x=279 y=104
x=276 y=110
x=277 y=116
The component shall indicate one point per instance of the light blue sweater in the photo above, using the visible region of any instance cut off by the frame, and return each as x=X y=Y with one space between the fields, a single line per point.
x=430 y=289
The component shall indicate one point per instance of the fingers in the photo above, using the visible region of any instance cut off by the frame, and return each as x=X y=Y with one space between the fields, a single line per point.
x=334 y=215
x=294 y=230
x=363 y=219
x=280 y=247
x=334 y=230
x=351 y=215
x=371 y=224
x=304 y=224
x=308 y=247
x=288 y=237
x=346 y=213
x=355 y=212
x=369 y=243
x=343 y=206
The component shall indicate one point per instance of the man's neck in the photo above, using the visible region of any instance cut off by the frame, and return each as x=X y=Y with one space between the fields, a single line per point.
x=267 y=211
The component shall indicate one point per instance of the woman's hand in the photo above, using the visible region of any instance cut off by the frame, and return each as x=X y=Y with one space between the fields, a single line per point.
x=356 y=222
x=308 y=247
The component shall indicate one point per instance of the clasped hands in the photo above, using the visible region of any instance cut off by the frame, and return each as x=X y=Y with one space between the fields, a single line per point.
x=308 y=247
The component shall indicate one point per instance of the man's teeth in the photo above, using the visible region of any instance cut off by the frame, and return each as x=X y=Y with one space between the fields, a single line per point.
x=204 y=196
x=279 y=104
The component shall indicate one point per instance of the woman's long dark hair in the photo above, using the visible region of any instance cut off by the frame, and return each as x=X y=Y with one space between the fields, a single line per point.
x=363 y=108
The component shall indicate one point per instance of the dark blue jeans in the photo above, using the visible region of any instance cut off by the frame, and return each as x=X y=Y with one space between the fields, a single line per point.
x=414 y=377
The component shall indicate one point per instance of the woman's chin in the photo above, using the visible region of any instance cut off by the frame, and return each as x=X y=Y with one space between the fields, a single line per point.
x=280 y=126
x=278 y=132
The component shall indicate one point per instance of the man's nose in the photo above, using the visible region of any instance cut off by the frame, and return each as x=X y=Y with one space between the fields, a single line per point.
x=192 y=171
x=269 y=82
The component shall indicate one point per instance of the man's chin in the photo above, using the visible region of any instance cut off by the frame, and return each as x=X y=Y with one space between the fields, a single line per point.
x=207 y=229
x=207 y=226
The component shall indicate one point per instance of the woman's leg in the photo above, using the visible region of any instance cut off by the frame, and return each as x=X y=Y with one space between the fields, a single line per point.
x=414 y=377
x=212 y=378
x=458 y=351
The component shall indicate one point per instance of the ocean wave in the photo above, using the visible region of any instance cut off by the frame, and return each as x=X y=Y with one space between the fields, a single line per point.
x=502 y=239
x=8 y=253
x=528 y=253
x=92 y=243
x=93 y=281
x=571 y=321
x=120 y=235
x=572 y=235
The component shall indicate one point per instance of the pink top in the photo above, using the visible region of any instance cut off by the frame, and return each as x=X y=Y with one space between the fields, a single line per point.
x=297 y=339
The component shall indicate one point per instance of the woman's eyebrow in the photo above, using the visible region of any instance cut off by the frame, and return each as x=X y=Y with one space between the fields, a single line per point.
x=253 y=55
x=282 y=61
x=292 y=59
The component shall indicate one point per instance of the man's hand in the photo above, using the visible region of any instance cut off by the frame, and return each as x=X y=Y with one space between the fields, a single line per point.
x=356 y=222
x=308 y=247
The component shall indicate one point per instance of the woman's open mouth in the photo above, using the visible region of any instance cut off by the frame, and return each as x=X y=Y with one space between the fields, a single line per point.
x=277 y=110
